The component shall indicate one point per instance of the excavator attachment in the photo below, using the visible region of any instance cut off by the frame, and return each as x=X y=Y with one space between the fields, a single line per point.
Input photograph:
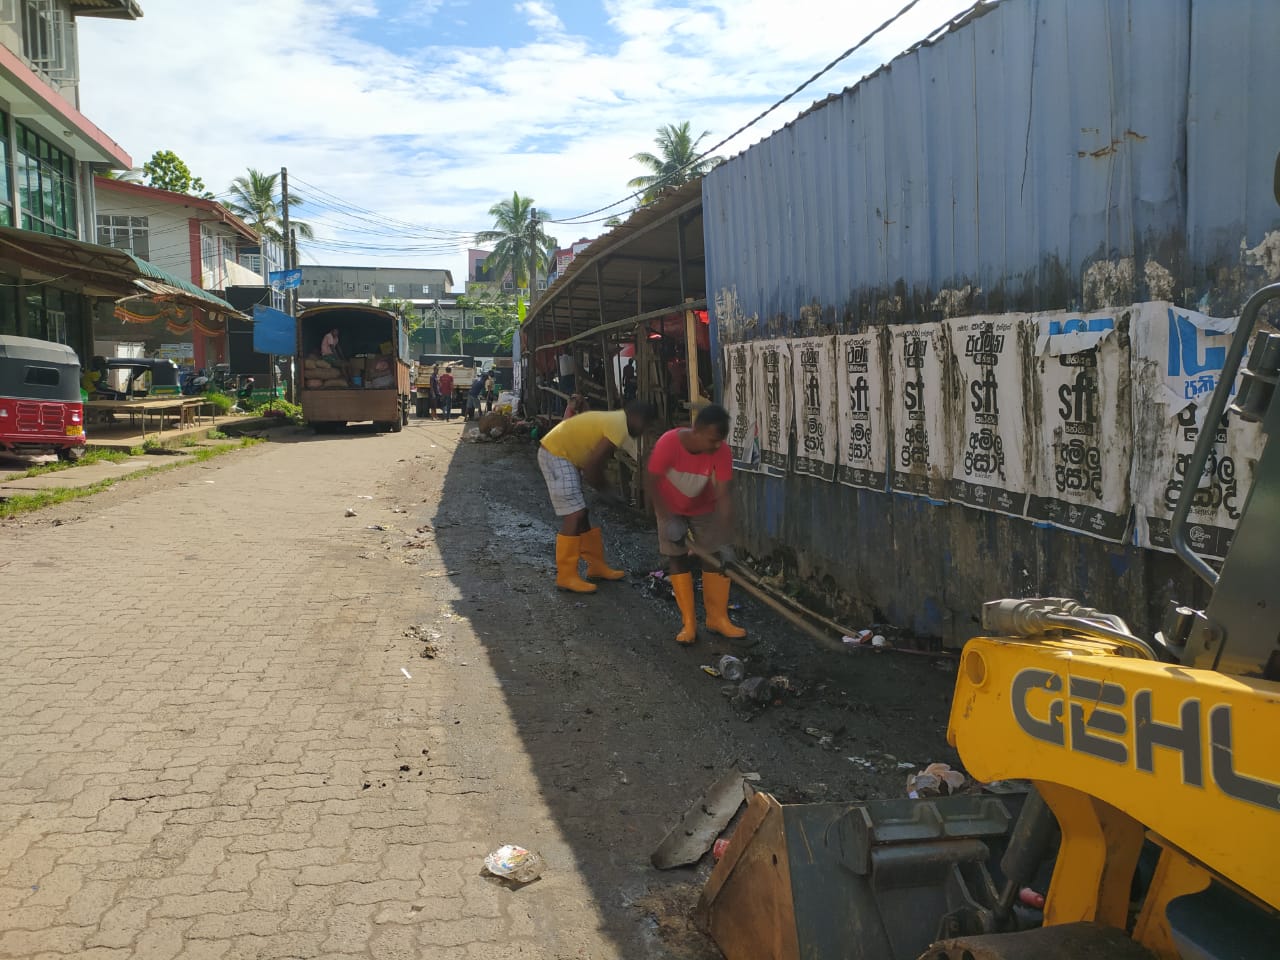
x=868 y=881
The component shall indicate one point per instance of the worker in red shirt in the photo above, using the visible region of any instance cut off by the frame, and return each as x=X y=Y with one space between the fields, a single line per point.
x=687 y=481
x=446 y=392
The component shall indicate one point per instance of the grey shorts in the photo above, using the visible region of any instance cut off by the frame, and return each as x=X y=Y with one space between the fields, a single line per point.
x=564 y=483
x=708 y=533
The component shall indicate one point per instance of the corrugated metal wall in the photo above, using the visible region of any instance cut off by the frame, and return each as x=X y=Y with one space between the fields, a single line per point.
x=1044 y=155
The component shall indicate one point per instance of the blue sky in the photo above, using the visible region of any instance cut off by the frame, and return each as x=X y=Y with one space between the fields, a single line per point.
x=429 y=111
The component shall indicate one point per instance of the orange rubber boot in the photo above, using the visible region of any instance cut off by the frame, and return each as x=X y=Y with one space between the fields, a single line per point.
x=682 y=586
x=568 y=552
x=593 y=552
x=715 y=597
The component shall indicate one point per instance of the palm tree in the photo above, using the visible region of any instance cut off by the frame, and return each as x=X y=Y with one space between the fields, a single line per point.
x=511 y=238
x=255 y=200
x=676 y=162
x=133 y=175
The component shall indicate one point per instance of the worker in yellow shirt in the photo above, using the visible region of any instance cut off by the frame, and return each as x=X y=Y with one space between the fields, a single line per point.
x=576 y=448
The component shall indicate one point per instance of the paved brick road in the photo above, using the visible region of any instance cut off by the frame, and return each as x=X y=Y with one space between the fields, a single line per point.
x=210 y=750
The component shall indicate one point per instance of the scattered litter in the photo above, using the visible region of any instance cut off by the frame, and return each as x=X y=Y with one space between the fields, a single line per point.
x=719 y=849
x=709 y=670
x=208 y=481
x=935 y=780
x=731 y=668
x=657 y=574
x=859 y=638
x=375 y=526
x=703 y=822
x=514 y=863
x=429 y=651
x=406 y=673
x=759 y=689
x=905 y=765
x=399 y=510
x=818 y=734
x=879 y=640
x=350 y=512
x=782 y=684
x=861 y=762
x=364 y=496
x=404 y=768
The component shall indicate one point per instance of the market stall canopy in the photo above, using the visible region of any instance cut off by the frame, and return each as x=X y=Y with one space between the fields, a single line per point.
x=642 y=269
x=105 y=271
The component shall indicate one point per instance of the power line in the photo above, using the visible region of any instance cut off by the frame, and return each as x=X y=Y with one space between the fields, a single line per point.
x=580 y=219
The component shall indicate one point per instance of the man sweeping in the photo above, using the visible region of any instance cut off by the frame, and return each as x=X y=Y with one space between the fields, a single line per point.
x=687 y=481
x=575 y=449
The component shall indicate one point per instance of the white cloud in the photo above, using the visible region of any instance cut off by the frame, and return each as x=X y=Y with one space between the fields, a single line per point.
x=436 y=134
x=541 y=16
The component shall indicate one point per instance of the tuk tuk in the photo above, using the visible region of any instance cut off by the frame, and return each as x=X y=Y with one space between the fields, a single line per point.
x=130 y=378
x=40 y=408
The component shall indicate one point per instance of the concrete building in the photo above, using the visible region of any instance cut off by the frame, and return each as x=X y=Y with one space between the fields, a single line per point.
x=480 y=279
x=190 y=237
x=50 y=152
x=335 y=283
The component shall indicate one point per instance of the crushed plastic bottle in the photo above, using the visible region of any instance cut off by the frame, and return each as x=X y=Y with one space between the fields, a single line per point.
x=731 y=668
x=514 y=863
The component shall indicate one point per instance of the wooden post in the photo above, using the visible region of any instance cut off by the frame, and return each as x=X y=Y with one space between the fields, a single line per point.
x=691 y=359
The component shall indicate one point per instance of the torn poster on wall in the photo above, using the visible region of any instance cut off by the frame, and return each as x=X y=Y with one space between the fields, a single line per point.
x=1178 y=357
x=740 y=399
x=991 y=468
x=772 y=365
x=863 y=409
x=921 y=410
x=1084 y=445
x=813 y=376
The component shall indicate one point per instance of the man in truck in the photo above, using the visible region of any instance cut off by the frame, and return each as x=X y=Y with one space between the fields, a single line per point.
x=575 y=449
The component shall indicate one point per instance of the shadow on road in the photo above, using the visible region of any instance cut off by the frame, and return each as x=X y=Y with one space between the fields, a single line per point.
x=622 y=727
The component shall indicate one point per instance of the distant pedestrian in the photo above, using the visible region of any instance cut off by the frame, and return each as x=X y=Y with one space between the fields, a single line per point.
x=490 y=393
x=474 y=397
x=433 y=397
x=446 y=393
x=629 y=382
x=687 y=482
x=574 y=450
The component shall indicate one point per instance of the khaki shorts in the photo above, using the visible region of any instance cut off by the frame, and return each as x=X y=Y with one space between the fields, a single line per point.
x=708 y=534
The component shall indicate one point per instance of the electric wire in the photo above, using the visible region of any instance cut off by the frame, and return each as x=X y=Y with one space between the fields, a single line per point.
x=581 y=218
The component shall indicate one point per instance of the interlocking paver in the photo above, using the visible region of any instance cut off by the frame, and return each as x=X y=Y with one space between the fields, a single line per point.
x=187 y=777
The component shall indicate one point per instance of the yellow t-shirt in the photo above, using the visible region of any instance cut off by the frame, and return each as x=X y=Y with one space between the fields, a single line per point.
x=575 y=438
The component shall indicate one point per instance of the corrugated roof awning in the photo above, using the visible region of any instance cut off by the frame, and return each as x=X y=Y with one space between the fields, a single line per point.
x=628 y=275
x=105 y=271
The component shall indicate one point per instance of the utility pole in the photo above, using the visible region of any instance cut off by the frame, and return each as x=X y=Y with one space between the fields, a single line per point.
x=533 y=254
x=285 y=233
x=435 y=312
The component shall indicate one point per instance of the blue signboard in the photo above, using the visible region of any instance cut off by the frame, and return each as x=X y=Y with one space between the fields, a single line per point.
x=285 y=279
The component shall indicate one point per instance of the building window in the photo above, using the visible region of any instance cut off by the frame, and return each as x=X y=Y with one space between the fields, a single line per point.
x=46 y=185
x=125 y=233
x=48 y=38
x=367 y=287
x=391 y=288
x=351 y=287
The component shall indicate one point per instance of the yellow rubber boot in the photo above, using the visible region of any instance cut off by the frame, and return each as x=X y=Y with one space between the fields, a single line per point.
x=568 y=551
x=593 y=553
x=682 y=586
x=715 y=597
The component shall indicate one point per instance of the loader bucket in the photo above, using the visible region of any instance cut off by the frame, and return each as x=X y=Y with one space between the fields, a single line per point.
x=844 y=881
